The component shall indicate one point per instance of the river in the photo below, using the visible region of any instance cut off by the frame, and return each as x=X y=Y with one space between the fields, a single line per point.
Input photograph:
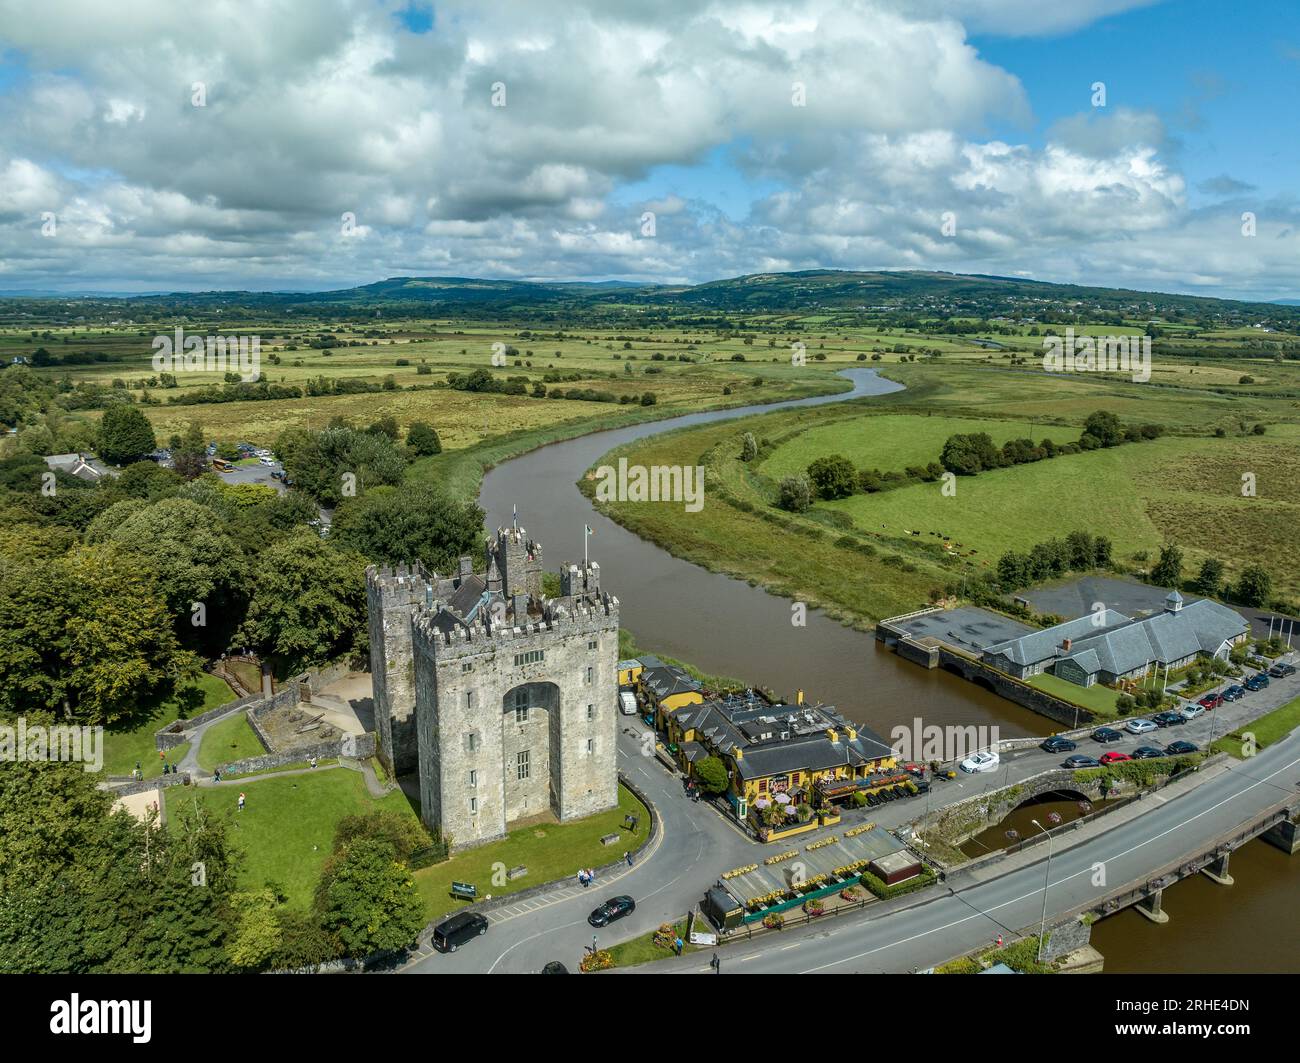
x=726 y=627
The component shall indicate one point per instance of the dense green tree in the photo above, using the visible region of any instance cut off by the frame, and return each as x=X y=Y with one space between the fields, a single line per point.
x=423 y=439
x=1103 y=427
x=421 y=523
x=1168 y=571
x=795 y=493
x=125 y=434
x=968 y=454
x=748 y=447
x=1209 y=581
x=1254 y=586
x=331 y=463
x=309 y=601
x=712 y=774
x=368 y=900
x=86 y=636
x=833 y=476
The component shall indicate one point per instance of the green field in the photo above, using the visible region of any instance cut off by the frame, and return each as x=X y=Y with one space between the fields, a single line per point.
x=1269 y=728
x=228 y=740
x=550 y=851
x=286 y=830
x=123 y=749
x=1100 y=699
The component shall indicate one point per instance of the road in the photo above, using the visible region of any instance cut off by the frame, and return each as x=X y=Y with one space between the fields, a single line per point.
x=698 y=844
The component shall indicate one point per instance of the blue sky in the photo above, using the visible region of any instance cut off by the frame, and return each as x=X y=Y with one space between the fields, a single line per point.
x=382 y=110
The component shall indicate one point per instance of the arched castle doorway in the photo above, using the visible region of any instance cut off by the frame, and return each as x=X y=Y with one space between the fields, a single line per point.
x=530 y=748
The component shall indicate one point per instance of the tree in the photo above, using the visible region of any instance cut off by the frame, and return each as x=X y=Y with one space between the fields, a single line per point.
x=1254 y=586
x=1101 y=549
x=125 y=434
x=190 y=452
x=1209 y=581
x=368 y=900
x=309 y=602
x=87 y=637
x=392 y=526
x=1103 y=427
x=833 y=476
x=1082 y=550
x=967 y=455
x=712 y=774
x=337 y=460
x=1168 y=571
x=422 y=438
x=748 y=447
x=795 y=493
x=1014 y=571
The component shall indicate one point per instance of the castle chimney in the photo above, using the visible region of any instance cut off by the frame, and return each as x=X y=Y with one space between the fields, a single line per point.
x=519 y=606
x=1065 y=645
x=466 y=568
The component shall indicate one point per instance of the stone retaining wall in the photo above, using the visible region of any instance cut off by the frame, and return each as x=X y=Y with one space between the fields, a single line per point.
x=139 y=786
x=359 y=746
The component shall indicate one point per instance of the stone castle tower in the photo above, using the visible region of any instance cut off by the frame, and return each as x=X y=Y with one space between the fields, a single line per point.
x=503 y=699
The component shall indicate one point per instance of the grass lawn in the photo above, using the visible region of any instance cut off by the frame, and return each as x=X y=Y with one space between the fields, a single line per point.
x=1268 y=729
x=230 y=739
x=287 y=827
x=1098 y=698
x=550 y=851
x=124 y=748
x=644 y=950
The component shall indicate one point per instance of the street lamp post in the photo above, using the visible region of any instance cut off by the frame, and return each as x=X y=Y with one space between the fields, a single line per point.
x=1047 y=876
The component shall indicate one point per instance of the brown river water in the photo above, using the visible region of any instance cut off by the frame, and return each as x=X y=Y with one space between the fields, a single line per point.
x=726 y=627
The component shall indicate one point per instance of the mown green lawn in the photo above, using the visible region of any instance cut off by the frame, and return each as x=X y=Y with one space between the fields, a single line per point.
x=1098 y=698
x=124 y=748
x=1268 y=729
x=549 y=851
x=286 y=830
x=227 y=740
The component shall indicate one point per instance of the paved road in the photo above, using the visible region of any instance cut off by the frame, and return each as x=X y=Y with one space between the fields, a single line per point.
x=935 y=931
x=698 y=845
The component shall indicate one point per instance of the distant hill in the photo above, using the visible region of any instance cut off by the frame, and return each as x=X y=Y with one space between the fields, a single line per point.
x=840 y=292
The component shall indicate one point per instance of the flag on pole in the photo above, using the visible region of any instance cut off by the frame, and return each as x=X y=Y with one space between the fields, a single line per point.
x=586 y=532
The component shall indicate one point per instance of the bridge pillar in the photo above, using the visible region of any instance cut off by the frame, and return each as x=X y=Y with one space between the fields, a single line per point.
x=1150 y=906
x=1285 y=836
x=1217 y=870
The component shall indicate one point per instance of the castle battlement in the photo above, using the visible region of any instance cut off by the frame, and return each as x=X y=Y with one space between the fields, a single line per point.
x=557 y=616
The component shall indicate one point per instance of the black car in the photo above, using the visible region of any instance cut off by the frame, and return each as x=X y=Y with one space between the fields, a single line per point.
x=1106 y=735
x=1175 y=748
x=1168 y=719
x=1234 y=693
x=614 y=908
x=555 y=967
x=452 y=933
x=1257 y=682
x=1080 y=761
x=1146 y=753
x=1281 y=670
x=1057 y=744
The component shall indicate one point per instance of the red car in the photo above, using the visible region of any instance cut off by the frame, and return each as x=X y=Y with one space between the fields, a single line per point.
x=1113 y=757
x=1211 y=701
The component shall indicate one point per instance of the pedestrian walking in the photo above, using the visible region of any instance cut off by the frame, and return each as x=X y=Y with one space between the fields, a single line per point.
x=162 y=755
x=216 y=775
x=999 y=941
x=241 y=801
x=313 y=762
x=582 y=877
x=678 y=945
x=716 y=964
x=628 y=858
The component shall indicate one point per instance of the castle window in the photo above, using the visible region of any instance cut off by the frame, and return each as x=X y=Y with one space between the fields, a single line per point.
x=591 y=745
x=592 y=644
x=469 y=699
x=473 y=806
x=471 y=741
x=591 y=674
x=467 y=666
x=473 y=777
x=521 y=706
x=521 y=765
x=531 y=657
x=591 y=712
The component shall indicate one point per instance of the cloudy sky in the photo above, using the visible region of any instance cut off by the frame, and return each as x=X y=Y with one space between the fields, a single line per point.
x=272 y=144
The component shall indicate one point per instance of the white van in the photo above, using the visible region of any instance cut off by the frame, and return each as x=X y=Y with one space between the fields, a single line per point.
x=627 y=703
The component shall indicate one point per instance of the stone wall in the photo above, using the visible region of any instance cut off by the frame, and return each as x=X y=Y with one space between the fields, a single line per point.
x=1039 y=701
x=174 y=734
x=139 y=786
x=358 y=746
x=1066 y=937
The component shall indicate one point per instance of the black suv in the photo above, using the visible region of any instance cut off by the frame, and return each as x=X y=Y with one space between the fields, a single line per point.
x=451 y=934
x=1057 y=744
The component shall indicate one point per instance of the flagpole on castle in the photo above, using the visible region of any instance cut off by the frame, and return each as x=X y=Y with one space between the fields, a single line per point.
x=586 y=532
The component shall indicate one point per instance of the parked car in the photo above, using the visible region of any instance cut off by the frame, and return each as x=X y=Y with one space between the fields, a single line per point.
x=1147 y=753
x=1234 y=692
x=612 y=909
x=1080 y=761
x=1169 y=718
x=1211 y=701
x=1191 y=712
x=1140 y=726
x=1174 y=748
x=555 y=967
x=1057 y=744
x=1113 y=756
x=1257 y=682
x=451 y=934
x=1281 y=670
x=982 y=761
x=1106 y=735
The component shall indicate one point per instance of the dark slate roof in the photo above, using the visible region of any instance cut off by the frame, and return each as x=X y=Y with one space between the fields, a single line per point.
x=668 y=679
x=1045 y=644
